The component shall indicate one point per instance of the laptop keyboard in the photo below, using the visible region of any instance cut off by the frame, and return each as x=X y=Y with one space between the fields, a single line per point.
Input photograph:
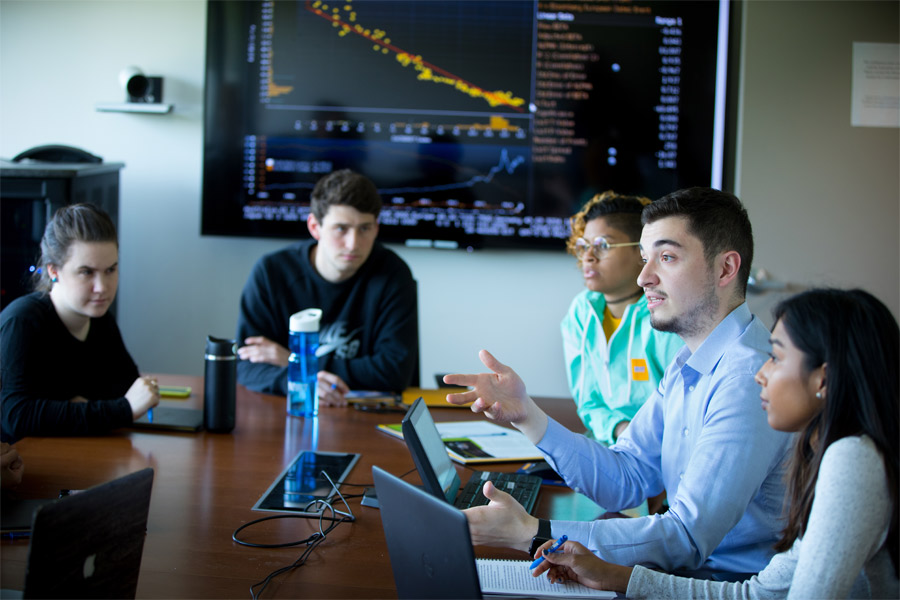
x=524 y=488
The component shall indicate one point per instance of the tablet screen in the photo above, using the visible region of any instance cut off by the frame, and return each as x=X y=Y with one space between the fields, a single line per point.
x=302 y=482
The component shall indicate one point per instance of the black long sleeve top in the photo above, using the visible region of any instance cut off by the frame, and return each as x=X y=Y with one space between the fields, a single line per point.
x=43 y=366
x=368 y=334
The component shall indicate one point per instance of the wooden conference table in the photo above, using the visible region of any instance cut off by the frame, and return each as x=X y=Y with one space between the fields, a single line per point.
x=205 y=485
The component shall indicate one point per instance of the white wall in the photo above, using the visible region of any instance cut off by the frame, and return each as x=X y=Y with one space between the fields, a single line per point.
x=819 y=213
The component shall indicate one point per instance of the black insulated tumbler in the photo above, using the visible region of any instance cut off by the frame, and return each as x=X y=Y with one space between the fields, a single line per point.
x=219 y=384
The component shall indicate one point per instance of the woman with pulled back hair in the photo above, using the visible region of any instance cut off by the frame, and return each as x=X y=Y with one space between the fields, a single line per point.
x=64 y=368
x=832 y=377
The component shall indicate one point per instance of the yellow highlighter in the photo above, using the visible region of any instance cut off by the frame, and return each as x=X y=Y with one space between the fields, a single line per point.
x=174 y=391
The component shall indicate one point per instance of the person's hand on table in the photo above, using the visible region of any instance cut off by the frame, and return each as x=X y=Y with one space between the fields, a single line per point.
x=502 y=522
x=501 y=396
x=260 y=349
x=574 y=562
x=332 y=389
x=12 y=467
x=142 y=396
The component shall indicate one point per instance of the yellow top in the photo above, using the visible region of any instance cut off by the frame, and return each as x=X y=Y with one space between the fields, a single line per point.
x=610 y=323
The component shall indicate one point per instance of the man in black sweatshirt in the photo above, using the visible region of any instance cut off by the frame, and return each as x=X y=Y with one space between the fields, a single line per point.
x=368 y=334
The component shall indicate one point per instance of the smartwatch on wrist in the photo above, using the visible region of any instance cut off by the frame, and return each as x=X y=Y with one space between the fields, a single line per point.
x=543 y=535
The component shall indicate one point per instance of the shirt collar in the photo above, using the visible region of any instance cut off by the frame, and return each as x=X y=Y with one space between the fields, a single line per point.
x=706 y=357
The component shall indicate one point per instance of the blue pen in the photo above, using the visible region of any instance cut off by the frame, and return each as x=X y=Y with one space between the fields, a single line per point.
x=150 y=416
x=553 y=548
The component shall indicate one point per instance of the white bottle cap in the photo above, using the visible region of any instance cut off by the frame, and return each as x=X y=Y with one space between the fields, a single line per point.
x=306 y=321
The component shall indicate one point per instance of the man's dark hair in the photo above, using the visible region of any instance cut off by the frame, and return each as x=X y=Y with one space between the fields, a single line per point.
x=717 y=219
x=345 y=188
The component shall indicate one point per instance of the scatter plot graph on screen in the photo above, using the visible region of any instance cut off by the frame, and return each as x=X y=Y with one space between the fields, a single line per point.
x=438 y=56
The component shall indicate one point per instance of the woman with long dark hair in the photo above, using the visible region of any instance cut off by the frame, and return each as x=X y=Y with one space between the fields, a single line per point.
x=833 y=378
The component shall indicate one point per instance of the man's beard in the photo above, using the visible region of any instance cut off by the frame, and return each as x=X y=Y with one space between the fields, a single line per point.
x=692 y=322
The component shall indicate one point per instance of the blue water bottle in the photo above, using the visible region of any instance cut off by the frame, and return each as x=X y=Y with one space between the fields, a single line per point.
x=303 y=395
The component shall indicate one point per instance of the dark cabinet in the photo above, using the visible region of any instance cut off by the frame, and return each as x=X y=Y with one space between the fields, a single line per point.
x=30 y=192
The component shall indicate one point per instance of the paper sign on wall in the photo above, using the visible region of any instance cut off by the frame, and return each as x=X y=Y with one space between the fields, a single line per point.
x=876 y=85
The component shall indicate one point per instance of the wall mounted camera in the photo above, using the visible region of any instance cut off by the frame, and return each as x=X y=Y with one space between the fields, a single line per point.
x=139 y=87
x=143 y=94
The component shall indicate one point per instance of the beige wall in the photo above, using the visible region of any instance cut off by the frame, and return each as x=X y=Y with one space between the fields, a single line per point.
x=823 y=196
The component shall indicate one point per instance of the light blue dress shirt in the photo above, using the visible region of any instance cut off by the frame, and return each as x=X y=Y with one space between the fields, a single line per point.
x=704 y=438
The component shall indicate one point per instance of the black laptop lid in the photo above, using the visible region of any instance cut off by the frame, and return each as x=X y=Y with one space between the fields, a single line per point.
x=429 y=454
x=89 y=544
x=428 y=542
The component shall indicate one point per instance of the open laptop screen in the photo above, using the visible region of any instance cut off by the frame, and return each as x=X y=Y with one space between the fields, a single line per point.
x=420 y=431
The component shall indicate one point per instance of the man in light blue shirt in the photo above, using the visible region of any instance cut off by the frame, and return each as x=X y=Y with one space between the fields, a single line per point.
x=702 y=436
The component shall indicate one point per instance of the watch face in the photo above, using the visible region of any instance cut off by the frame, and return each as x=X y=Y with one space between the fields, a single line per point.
x=537 y=542
x=543 y=535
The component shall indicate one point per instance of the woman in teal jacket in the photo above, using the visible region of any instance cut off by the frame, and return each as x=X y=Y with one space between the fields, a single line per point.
x=614 y=358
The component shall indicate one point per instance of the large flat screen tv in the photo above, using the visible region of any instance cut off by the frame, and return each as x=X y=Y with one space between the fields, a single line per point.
x=483 y=124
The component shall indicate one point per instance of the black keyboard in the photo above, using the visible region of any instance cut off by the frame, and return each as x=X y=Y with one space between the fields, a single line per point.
x=524 y=488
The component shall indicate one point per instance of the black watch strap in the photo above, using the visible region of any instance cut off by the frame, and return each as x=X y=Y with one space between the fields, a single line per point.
x=543 y=535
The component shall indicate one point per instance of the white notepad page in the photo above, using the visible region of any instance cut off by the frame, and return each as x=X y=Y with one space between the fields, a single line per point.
x=513 y=577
